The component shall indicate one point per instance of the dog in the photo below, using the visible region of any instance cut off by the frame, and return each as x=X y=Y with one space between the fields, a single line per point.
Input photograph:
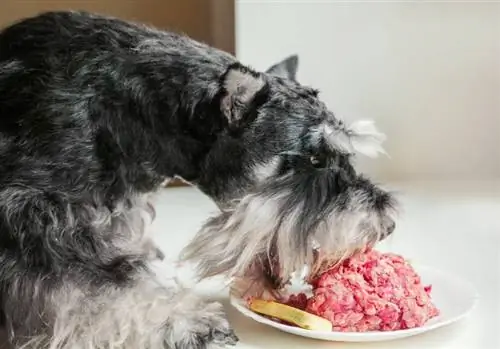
x=96 y=113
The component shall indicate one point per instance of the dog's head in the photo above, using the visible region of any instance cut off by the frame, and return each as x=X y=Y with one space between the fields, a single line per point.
x=282 y=174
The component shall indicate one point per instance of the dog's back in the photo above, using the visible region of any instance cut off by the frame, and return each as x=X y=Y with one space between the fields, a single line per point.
x=75 y=91
x=52 y=72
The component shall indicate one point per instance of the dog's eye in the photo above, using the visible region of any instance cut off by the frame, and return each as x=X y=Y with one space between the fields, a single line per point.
x=318 y=161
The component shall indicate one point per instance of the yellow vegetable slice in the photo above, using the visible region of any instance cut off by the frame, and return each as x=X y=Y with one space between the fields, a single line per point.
x=290 y=314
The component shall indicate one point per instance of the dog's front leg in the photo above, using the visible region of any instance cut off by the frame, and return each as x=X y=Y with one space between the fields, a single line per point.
x=144 y=315
x=103 y=293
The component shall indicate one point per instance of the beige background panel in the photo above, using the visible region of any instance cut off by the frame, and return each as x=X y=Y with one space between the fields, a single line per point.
x=427 y=72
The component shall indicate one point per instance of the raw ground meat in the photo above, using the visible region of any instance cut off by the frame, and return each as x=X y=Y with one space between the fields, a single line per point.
x=371 y=291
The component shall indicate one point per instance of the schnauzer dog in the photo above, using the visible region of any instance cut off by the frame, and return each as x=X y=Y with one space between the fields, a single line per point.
x=95 y=114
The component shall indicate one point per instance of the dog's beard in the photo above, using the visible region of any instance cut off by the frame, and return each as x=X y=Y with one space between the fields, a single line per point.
x=275 y=231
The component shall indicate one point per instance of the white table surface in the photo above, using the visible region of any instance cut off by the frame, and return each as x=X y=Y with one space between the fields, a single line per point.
x=451 y=226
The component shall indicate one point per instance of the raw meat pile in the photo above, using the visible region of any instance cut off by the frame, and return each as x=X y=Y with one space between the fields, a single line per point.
x=371 y=291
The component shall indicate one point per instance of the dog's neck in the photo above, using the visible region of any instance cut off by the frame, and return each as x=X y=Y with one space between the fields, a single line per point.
x=170 y=118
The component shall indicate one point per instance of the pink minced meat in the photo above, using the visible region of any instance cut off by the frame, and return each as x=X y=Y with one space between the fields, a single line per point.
x=371 y=291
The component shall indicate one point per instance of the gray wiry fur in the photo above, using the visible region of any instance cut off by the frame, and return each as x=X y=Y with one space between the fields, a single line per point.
x=261 y=224
x=145 y=314
x=274 y=229
x=88 y=105
x=148 y=315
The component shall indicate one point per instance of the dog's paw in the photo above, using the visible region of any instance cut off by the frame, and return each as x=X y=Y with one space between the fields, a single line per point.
x=203 y=327
x=222 y=336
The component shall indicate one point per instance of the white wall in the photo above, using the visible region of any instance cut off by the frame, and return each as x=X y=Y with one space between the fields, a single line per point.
x=428 y=73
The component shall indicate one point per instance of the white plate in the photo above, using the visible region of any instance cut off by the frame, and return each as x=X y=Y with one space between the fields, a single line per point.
x=454 y=297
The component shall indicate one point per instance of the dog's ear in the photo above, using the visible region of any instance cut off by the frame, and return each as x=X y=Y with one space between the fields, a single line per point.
x=241 y=87
x=287 y=68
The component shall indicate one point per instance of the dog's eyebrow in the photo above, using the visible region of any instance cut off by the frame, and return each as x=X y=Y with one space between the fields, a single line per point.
x=360 y=137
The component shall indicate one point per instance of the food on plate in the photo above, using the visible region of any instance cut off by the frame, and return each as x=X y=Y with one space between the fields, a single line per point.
x=290 y=315
x=371 y=291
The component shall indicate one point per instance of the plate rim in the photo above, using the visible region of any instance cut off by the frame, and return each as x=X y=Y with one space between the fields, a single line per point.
x=237 y=303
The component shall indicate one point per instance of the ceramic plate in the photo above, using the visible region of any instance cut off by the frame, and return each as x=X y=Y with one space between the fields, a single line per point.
x=454 y=297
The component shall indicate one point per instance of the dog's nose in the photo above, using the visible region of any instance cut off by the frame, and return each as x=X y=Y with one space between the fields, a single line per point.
x=391 y=228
